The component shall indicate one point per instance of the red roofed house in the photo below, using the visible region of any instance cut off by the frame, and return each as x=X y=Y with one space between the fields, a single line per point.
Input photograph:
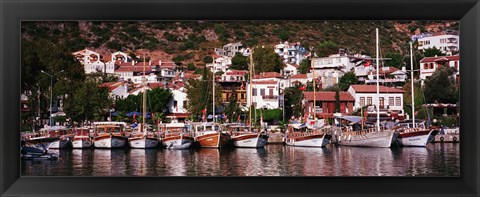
x=428 y=65
x=92 y=62
x=265 y=94
x=388 y=76
x=325 y=103
x=234 y=79
x=116 y=90
x=150 y=86
x=390 y=100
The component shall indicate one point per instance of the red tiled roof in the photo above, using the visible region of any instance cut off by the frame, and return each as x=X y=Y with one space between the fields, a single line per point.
x=264 y=75
x=236 y=72
x=134 y=69
x=299 y=76
x=328 y=96
x=156 y=85
x=440 y=58
x=264 y=82
x=390 y=70
x=373 y=89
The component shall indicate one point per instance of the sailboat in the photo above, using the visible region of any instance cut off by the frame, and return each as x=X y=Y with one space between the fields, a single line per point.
x=249 y=139
x=413 y=132
x=174 y=136
x=208 y=134
x=141 y=138
x=313 y=137
x=373 y=137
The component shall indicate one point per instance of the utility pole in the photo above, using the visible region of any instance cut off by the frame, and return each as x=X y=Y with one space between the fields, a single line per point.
x=51 y=93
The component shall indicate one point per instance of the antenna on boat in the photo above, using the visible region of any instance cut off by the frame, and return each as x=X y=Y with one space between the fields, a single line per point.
x=413 y=90
x=378 y=87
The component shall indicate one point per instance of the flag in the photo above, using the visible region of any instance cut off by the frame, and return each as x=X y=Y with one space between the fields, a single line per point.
x=303 y=88
x=204 y=112
x=367 y=63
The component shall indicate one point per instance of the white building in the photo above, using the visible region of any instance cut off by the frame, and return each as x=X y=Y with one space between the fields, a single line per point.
x=291 y=53
x=92 y=63
x=333 y=67
x=220 y=64
x=265 y=94
x=290 y=69
x=389 y=99
x=447 y=43
x=230 y=49
x=178 y=102
x=429 y=65
x=116 y=90
x=233 y=76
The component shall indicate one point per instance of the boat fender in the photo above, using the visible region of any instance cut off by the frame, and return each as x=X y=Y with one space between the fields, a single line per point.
x=441 y=139
x=454 y=139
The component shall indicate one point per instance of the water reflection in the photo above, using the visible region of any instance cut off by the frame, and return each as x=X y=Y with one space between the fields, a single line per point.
x=273 y=160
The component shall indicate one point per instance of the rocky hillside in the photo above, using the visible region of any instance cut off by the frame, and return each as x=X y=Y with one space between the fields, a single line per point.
x=190 y=41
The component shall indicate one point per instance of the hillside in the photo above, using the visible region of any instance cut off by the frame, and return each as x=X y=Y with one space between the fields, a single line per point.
x=190 y=41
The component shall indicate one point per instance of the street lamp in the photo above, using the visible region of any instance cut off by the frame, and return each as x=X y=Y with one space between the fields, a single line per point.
x=51 y=92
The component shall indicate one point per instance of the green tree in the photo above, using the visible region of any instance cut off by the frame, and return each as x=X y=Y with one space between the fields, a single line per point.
x=432 y=52
x=207 y=59
x=407 y=97
x=305 y=66
x=441 y=87
x=396 y=60
x=346 y=80
x=326 y=48
x=199 y=94
x=89 y=102
x=190 y=66
x=293 y=102
x=337 y=101
x=266 y=60
x=157 y=102
x=239 y=62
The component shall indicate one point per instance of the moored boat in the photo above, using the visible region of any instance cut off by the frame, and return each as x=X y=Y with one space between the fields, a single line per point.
x=299 y=135
x=243 y=137
x=208 y=135
x=414 y=135
x=82 y=138
x=109 y=135
x=174 y=136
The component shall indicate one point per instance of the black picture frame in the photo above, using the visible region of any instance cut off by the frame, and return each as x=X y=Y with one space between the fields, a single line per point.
x=13 y=12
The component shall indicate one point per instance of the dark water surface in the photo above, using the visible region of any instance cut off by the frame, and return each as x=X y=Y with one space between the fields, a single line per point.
x=274 y=160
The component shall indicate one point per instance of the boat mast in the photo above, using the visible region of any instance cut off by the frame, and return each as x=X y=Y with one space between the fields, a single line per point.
x=413 y=90
x=314 y=87
x=378 y=87
x=213 y=84
x=250 y=90
x=144 y=95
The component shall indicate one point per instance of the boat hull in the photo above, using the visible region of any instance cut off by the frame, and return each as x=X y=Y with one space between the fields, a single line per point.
x=251 y=140
x=82 y=143
x=109 y=142
x=314 y=140
x=382 y=139
x=177 y=142
x=58 y=144
x=213 y=140
x=415 y=138
x=143 y=142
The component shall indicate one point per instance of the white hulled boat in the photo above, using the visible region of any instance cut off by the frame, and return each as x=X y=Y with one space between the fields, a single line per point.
x=82 y=138
x=373 y=137
x=109 y=134
x=174 y=136
x=143 y=138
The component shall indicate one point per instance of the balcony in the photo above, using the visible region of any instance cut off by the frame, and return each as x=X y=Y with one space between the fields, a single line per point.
x=269 y=97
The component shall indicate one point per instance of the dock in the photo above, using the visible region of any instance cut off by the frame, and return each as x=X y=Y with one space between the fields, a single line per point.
x=447 y=138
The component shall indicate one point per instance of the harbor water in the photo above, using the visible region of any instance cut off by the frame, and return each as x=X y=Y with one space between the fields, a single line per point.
x=439 y=159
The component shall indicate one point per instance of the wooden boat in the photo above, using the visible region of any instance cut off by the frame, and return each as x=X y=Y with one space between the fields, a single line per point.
x=371 y=137
x=143 y=138
x=109 y=135
x=174 y=136
x=418 y=135
x=299 y=135
x=208 y=135
x=62 y=135
x=82 y=138
x=243 y=136
x=414 y=132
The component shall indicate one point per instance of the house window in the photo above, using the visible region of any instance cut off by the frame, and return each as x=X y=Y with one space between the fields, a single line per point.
x=391 y=101
x=425 y=66
x=397 y=101
x=242 y=96
x=369 y=100
x=362 y=101
x=382 y=102
x=175 y=103
x=270 y=92
x=262 y=92
x=254 y=93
